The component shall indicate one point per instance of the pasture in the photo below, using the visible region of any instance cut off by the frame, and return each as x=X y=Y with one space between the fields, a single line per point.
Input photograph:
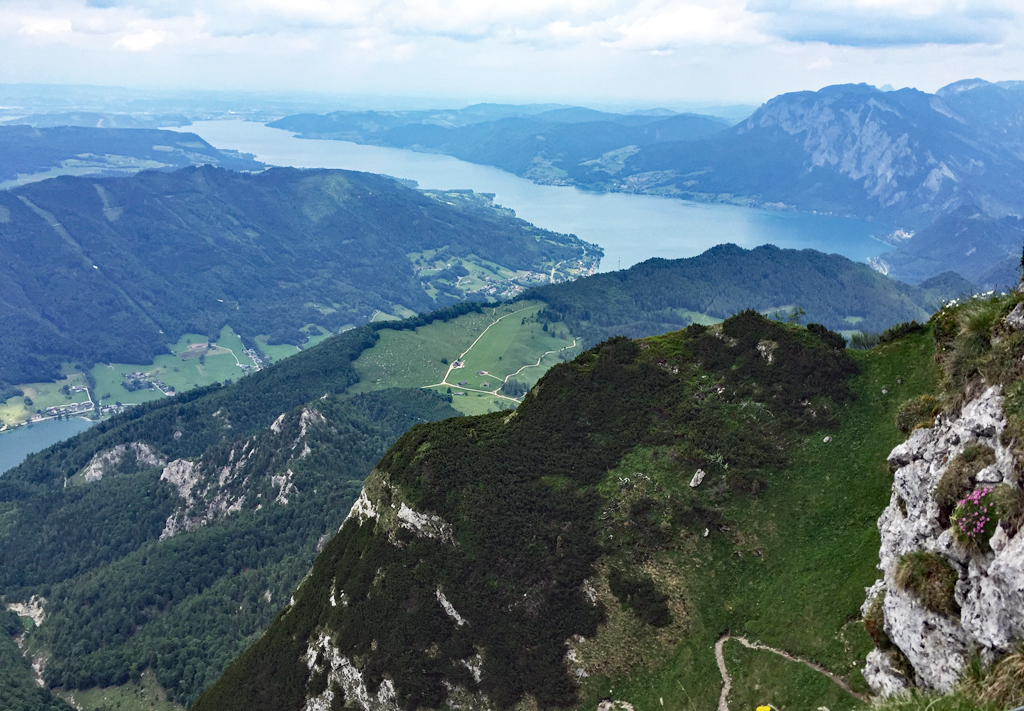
x=502 y=342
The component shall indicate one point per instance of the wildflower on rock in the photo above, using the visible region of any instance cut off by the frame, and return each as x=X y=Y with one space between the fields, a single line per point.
x=974 y=519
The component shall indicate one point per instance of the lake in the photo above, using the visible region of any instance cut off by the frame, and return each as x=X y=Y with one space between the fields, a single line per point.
x=20 y=442
x=630 y=228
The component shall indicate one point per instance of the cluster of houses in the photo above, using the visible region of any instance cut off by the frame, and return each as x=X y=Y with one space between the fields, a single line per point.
x=74 y=408
x=257 y=362
x=141 y=381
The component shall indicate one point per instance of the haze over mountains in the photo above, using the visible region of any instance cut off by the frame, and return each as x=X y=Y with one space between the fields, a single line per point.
x=902 y=158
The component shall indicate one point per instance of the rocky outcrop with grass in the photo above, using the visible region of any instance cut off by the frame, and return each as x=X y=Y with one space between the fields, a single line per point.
x=952 y=594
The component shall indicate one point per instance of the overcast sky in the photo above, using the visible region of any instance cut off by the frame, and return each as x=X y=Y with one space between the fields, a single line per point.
x=642 y=53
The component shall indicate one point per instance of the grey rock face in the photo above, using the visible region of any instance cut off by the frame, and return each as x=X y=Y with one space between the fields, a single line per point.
x=990 y=590
x=881 y=676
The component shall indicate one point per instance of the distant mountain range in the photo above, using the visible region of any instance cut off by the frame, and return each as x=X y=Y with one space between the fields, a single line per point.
x=29 y=154
x=902 y=158
x=96 y=119
x=549 y=145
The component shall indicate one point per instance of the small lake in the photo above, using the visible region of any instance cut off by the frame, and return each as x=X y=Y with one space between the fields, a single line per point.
x=630 y=228
x=20 y=442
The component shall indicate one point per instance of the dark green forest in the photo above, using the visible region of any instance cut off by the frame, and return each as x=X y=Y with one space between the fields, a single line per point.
x=111 y=270
x=122 y=600
x=650 y=298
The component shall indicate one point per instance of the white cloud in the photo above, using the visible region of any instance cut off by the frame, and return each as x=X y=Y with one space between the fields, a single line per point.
x=545 y=48
x=141 y=41
x=44 y=26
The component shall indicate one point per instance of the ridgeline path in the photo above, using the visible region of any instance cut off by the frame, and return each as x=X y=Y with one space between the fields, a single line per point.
x=723 y=698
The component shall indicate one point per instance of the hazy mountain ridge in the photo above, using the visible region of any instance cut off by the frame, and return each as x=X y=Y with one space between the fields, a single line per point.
x=29 y=153
x=902 y=158
x=985 y=249
x=898 y=156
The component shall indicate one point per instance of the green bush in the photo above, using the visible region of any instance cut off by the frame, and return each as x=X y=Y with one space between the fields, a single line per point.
x=899 y=330
x=1010 y=507
x=639 y=594
x=931 y=578
x=826 y=336
x=916 y=411
x=864 y=341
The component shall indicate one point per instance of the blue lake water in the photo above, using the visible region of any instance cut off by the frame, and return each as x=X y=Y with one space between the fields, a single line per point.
x=20 y=442
x=630 y=228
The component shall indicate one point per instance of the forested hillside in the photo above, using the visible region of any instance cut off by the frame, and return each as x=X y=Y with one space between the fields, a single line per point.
x=144 y=569
x=558 y=145
x=660 y=294
x=111 y=270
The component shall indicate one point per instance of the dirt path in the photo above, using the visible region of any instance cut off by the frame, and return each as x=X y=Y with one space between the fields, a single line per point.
x=451 y=366
x=723 y=698
x=534 y=365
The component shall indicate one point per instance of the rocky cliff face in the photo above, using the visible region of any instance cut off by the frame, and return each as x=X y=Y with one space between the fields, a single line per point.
x=930 y=648
x=902 y=157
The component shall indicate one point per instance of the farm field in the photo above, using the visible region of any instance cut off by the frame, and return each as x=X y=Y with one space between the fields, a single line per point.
x=218 y=365
x=278 y=352
x=42 y=396
x=503 y=342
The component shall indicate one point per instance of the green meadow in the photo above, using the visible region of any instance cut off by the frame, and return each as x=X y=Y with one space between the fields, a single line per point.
x=40 y=396
x=789 y=567
x=502 y=342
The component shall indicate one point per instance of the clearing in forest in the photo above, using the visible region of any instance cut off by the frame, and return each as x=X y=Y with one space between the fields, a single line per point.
x=502 y=343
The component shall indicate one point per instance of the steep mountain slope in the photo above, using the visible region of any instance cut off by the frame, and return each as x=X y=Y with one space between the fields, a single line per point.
x=132 y=264
x=657 y=295
x=948 y=613
x=903 y=157
x=58 y=149
x=596 y=543
x=166 y=538
x=984 y=250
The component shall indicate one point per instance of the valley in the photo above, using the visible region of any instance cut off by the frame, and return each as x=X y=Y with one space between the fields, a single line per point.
x=375 y=443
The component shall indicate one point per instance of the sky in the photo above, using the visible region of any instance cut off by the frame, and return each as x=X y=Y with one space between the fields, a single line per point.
x=643 y=53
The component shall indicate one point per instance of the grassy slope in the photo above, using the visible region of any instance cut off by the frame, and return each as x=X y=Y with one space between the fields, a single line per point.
x=413 y=358
x=805 y=550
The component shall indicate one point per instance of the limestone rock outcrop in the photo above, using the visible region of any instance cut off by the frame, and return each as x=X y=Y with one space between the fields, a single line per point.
x=990 y=586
